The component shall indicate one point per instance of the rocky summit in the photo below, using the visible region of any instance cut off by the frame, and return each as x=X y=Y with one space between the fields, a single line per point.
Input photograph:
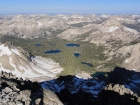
x=20 y=92
x=118 y=89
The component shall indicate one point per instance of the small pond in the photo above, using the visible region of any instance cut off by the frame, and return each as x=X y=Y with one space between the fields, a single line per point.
x=38 y=44
x=77 y=54
x=99 y=74
x=52 y=51
x=72 y=45
x=89 y=64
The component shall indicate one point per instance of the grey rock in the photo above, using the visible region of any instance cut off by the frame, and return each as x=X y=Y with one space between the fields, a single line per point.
x=119 y=88
x=50 y=98
x=7 y=90
x=16 y=92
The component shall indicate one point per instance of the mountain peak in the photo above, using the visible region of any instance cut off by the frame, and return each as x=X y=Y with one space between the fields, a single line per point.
x=19 y=63
x=112 y=22
x=110 y=25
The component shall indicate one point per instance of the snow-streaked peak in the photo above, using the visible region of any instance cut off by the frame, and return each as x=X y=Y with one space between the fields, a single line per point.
x=23 y=65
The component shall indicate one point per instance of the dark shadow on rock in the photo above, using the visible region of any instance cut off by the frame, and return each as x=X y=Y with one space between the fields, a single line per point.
x=107 y=97
x=120 y=76
x=128 y=78
x=3 y=85
x=79 y=98
x=26 y=91
x=81 y=94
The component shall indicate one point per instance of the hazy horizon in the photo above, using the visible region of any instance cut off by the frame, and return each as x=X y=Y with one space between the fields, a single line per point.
x=70 y=7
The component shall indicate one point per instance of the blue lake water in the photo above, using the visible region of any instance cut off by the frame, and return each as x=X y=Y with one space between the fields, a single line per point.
x=76 y=54
x=38 y=44
x=31 y=56
x=52 y=51
x=72 y=45
x=89 y=64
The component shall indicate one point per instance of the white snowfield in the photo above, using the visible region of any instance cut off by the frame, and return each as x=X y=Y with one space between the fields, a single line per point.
x=4 y=50
x=16 y=62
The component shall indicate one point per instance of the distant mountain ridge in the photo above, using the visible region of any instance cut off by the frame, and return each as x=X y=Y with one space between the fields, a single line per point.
x=30 y=26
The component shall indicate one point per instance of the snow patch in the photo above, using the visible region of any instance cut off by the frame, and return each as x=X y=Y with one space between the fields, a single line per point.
x=15 y=51
x=131 y=30
x=83 y=75
x=113 y=28
x=126 y=61
x=11 y=63
x=4 y=50
x=39 y=24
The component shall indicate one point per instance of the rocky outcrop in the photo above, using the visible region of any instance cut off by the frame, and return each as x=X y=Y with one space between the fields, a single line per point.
x=50 y=98
x=19 y=92
x=122 y=90
x=8 y=75
x=119 y=89
x=130 y=79
x=115 y=94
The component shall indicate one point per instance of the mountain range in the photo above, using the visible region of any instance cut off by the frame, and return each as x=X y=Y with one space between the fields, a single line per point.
x=115 y=32
x=114 y=40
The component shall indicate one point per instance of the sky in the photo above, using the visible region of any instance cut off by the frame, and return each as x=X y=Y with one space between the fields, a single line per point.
x=69 y=6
